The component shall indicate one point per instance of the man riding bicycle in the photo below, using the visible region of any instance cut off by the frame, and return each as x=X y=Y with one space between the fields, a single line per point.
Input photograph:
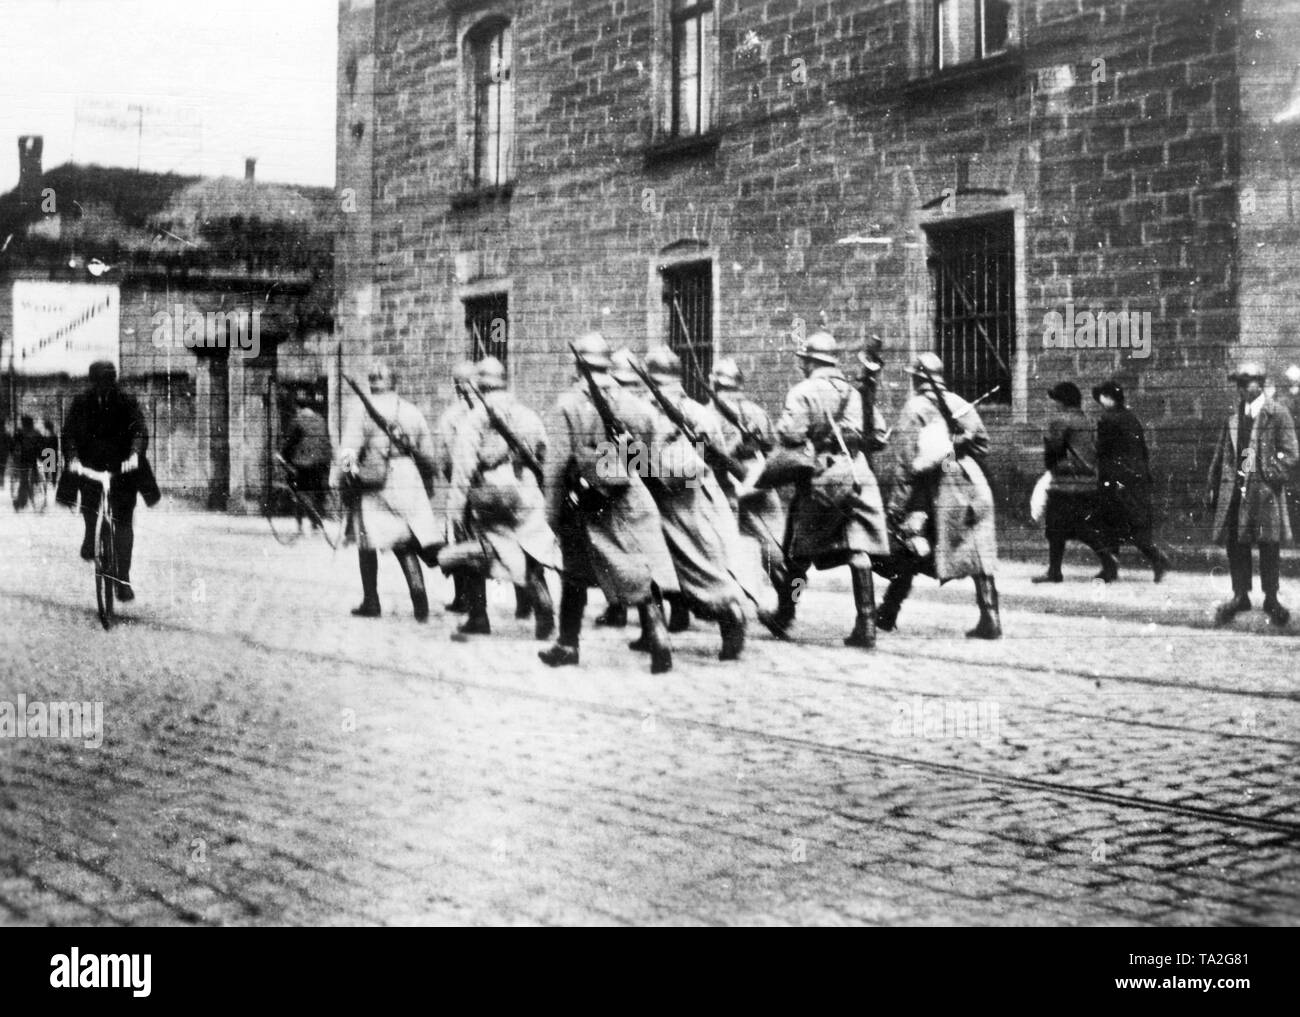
x=105 y=430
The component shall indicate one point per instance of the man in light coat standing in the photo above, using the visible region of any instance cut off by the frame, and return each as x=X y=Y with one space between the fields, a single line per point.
x=394 y=515
x=1254 y=457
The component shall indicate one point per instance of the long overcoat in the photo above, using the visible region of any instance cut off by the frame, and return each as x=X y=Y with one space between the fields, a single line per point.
x=399 y=510
x=954 y=495
x=482 y=460
x=1269 y=460
x=620 y=548
x=697 y=521
x=826 y=523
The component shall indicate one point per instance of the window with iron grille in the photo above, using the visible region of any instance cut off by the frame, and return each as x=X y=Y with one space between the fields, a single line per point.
x=973 y=267
x=966 y=31
x=692 y=68
x=688 y=303
x=487 y=326
x=490 y=91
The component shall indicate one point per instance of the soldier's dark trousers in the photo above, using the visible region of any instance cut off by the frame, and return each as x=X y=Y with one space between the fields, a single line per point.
x=408 y=557
x=368 y=562
x=539 y=599
x=573 y=603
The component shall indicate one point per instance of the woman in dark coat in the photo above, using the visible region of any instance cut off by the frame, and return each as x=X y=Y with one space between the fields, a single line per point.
x=1124 y=481
x=1070 y=454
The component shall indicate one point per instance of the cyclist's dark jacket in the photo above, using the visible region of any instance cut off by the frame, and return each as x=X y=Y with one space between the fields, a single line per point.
x=103 y=431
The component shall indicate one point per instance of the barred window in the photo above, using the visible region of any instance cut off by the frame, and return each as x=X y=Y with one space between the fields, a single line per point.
x=487 y=326
x=973 y=268
x=692 y=68
x=965 y=31
x=490 y=91
x=688 y=304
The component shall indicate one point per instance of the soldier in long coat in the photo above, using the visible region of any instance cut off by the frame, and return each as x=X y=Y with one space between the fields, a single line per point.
x=502 y=503
x=698 y=524
x=608 y=526
x=942 y=497
x=445 y=431
x=396 y=517
x=836 y=516
x=1247 y=489
x=759 y=512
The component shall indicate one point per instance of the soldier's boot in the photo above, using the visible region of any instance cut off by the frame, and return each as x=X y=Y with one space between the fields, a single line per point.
x=369 y=563
x=655 y=633
x=614 y=616
x=990 y=623
x=680 y=619
x=573 y=604
x=539 y=597
x=732 y=623
x=1109 y=567
x=1231 y=607
x=895 y=593
x=458 y=604
x=864 y=600
x=523 y=603
x=476 y=623
x=409 y=559
x=778 y=622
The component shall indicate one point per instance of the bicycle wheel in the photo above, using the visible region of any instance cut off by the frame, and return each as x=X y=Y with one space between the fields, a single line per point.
x=279 y=512
x=105 y=571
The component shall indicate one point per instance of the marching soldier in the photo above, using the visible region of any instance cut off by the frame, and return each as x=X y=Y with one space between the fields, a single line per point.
x=444 y=440
x=1247 y=490
x=746 y=435
x=942 y=497
x=495 y=486
x=837 y=516
x=697 y=521
x=386 y=457
x=606 y=521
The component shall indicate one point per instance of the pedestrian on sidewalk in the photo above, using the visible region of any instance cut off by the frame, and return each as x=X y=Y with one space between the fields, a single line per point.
x=1124 y=483
x=1291 y=400
x=27 y=456
x=1070 y=455
x=1255 y=456
x=389 y=493
x=307 y=450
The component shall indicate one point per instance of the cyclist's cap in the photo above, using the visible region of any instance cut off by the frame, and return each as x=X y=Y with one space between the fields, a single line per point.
x=102 y=369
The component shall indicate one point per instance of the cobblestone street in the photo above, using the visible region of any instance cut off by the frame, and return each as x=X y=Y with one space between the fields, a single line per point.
x=268 y=759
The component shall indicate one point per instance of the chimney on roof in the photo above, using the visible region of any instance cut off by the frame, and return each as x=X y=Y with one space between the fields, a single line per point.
x=250 y=167
x=30 y=147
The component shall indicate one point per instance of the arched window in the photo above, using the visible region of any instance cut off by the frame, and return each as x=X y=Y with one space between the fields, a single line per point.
x=490 y=97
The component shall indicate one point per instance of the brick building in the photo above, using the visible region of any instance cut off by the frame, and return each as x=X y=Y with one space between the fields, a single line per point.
x=94 y=261
x=956 y=175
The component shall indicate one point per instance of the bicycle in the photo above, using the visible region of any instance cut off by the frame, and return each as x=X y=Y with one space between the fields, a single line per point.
x=286 y=505
x=105 y=547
